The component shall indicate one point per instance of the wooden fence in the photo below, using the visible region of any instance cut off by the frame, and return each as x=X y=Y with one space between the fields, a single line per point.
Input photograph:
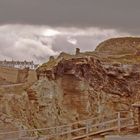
x=76 y=130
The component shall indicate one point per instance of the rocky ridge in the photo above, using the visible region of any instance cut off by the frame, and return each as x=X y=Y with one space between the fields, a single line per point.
x=72 y=88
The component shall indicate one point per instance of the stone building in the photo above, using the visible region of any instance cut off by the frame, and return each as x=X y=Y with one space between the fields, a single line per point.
x=18 y=64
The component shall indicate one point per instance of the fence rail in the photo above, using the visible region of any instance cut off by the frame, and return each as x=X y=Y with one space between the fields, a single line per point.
x=76 y=130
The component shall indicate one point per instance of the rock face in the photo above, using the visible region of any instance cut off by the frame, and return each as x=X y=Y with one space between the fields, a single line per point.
x=22 y=76
x=89 y=87
x=72 y=89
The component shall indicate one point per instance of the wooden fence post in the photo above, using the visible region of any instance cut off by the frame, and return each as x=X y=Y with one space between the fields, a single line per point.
x=132 y=118
x=119 y=122
x=87 y=129
x=20 y=134
x=57 y=133
x=69 y=132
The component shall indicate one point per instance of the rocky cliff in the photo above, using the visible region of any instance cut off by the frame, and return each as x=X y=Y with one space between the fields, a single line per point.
x=72 y=88
x=89 y=87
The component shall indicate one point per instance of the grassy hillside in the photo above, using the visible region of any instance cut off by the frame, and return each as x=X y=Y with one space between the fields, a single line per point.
x=124 y=45
x=11 y=75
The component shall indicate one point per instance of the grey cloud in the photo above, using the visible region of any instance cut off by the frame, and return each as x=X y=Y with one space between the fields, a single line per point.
x=23 y=44
x=118 y=14
x=26 y=42
x=61 y=44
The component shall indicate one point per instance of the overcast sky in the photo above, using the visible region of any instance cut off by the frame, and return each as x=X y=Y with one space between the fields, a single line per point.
x=46 y=27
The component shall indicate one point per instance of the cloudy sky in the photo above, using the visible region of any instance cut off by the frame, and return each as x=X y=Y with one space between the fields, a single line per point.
x=36 y=29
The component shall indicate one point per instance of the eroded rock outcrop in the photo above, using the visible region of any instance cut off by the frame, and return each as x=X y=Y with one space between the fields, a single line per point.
x=90 y=88
x=73 y=88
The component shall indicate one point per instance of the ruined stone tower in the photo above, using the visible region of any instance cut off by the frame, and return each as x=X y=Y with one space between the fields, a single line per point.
x=77 y=51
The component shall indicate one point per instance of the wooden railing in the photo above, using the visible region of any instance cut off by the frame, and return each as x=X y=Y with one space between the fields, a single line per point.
x=76 y=130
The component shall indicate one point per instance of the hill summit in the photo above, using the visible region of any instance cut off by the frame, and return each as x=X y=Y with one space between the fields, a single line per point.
x=123 y=45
